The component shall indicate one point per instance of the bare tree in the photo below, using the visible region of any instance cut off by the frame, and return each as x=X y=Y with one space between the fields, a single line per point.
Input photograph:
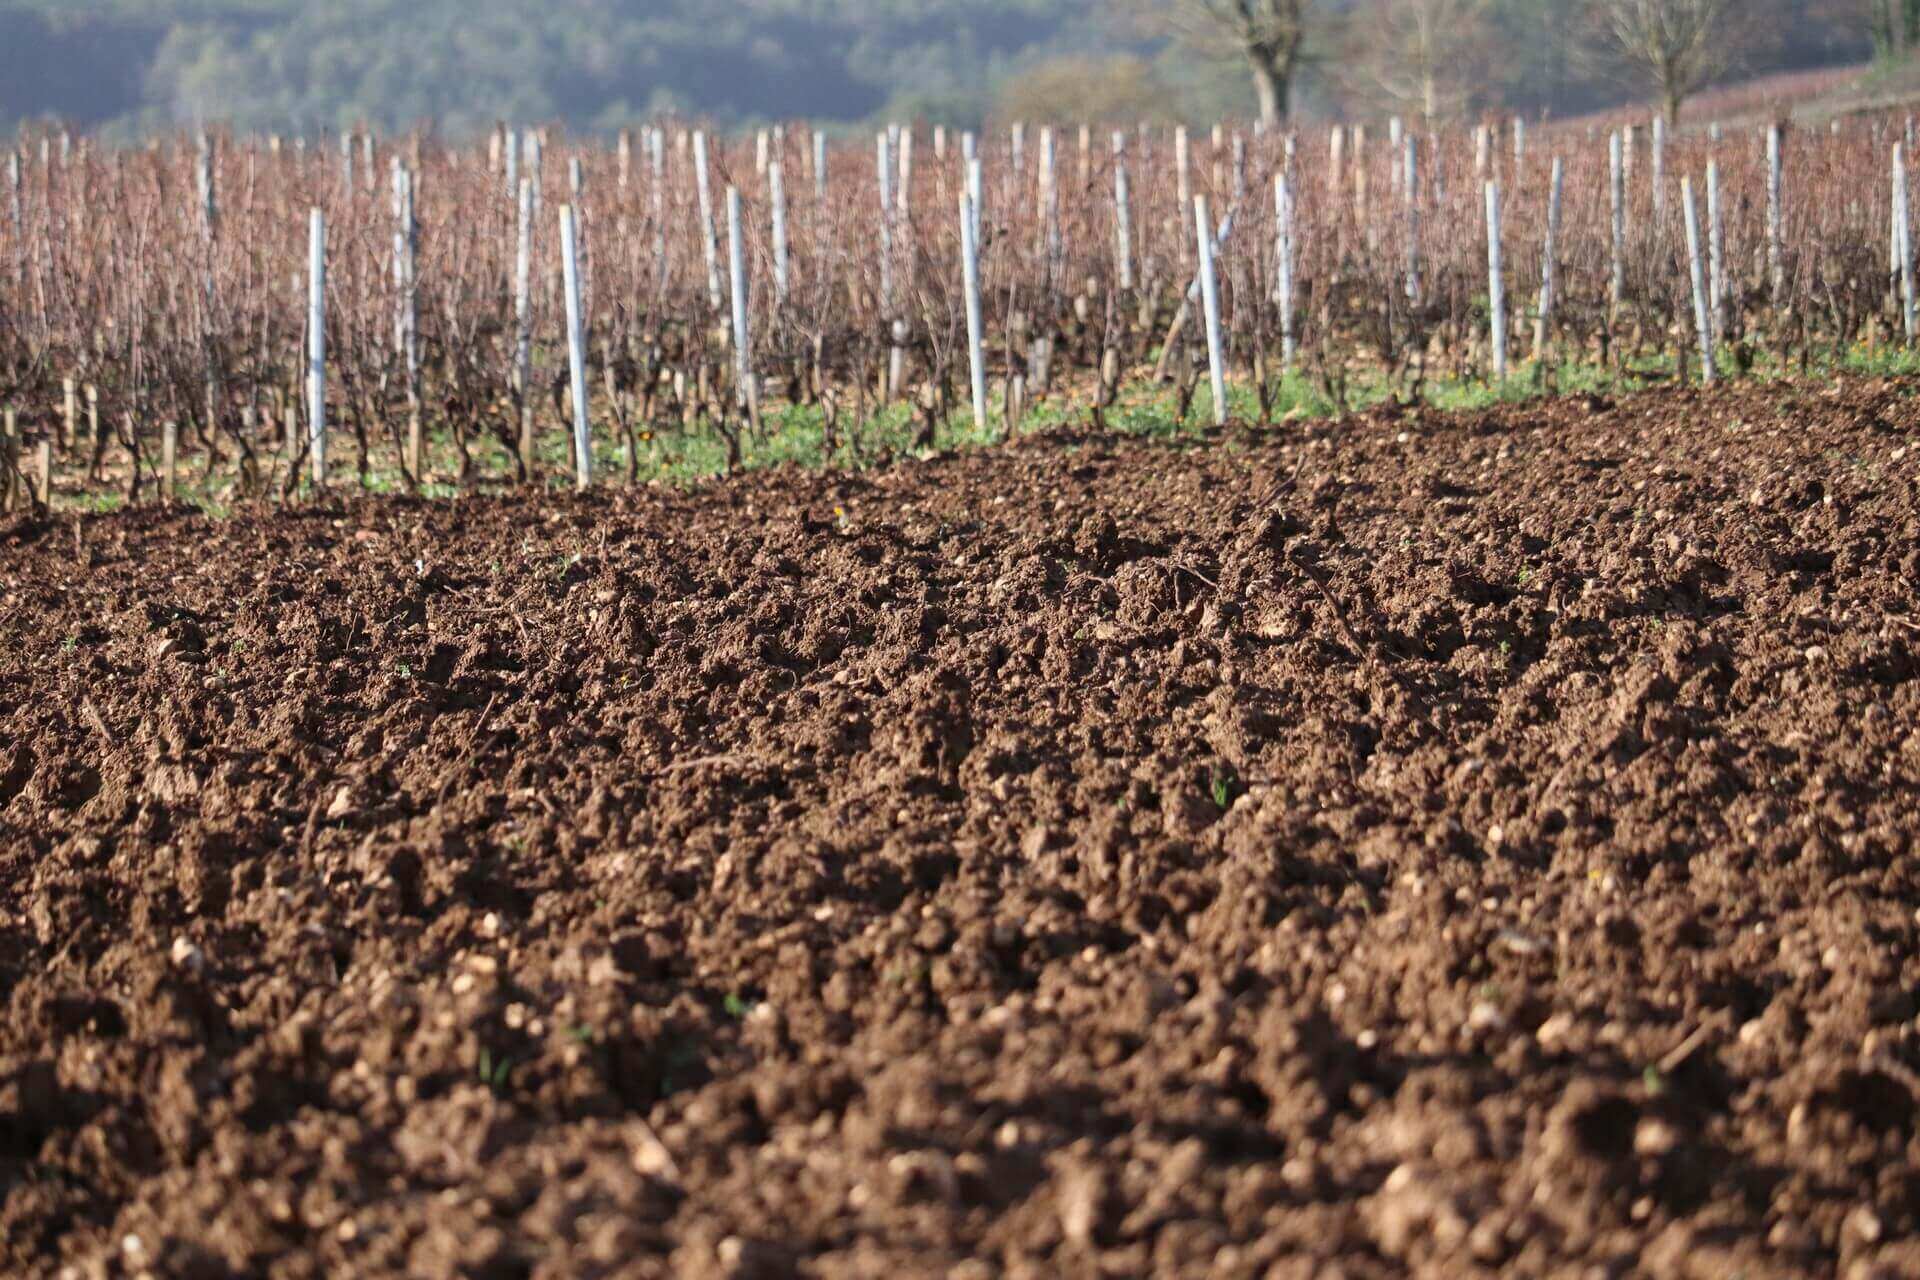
x=1679 y=45
x=1080 y=88
x=1421 y=57
x=1271 y=35
x=1892 y=24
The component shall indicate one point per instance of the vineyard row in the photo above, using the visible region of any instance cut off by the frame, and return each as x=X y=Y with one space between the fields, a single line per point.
x=270 y=309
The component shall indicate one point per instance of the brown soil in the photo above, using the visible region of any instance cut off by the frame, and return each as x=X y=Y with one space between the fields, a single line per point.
x=826 y=873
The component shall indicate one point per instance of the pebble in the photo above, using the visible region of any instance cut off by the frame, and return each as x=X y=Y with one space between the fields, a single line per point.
x=1789 y=1237
x=1553 y=1030
x=1520 y=944
x=1864 y=1225
x=1486 y=1016
x=187 y=956
x=1654 y=1137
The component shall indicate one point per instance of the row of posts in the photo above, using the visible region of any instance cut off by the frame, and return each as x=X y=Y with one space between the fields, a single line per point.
x=1706 y=258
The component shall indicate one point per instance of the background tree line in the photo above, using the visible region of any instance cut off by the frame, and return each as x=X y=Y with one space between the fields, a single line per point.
x=300 y=65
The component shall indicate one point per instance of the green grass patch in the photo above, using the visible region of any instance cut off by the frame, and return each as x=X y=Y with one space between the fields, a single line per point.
x=797 y=435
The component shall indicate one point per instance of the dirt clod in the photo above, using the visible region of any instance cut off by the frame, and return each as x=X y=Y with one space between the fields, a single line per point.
x=1487 y=852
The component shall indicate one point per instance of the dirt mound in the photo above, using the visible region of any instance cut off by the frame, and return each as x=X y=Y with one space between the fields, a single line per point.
x=1416 y=845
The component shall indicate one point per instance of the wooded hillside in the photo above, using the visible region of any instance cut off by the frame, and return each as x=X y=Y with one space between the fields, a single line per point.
x=314 y=64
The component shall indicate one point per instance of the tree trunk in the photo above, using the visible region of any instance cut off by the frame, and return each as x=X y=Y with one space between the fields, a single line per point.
x=1673 y=98
x=1270 y=85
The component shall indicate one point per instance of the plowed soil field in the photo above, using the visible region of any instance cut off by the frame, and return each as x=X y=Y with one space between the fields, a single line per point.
x=1407 y=846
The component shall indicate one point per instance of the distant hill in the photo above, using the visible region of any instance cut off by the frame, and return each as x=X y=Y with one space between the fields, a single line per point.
x=300 y=65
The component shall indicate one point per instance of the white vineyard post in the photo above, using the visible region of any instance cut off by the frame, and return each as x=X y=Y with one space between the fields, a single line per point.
x=896 y=358
x=523 y=325
x=577 y=189
x=1697 y=272
x=1123 y=224
x=576 y=348
x=1496 y=286
x=1658 y=172
x=203 y=173
x=1893 y=240
x=1903 y=240
x=1210 y=299
x=1716 y=253
x=1616 y=197
x=704 y=187
x=1283 y=219
x=976 y=190
x=535 y=153
x=737 y=279
x=317 y=345
x=970 y=272
x=777 y=197
x=1410 y=193
x=210 y=226
x=657 y=166
x=903 y=196
x=406 y=318
x=169 y=456
x=903 y=199
x=1776 y=217
x=1543 y=322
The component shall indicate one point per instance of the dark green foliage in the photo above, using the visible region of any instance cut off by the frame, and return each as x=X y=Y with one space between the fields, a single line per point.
x=306 y=64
